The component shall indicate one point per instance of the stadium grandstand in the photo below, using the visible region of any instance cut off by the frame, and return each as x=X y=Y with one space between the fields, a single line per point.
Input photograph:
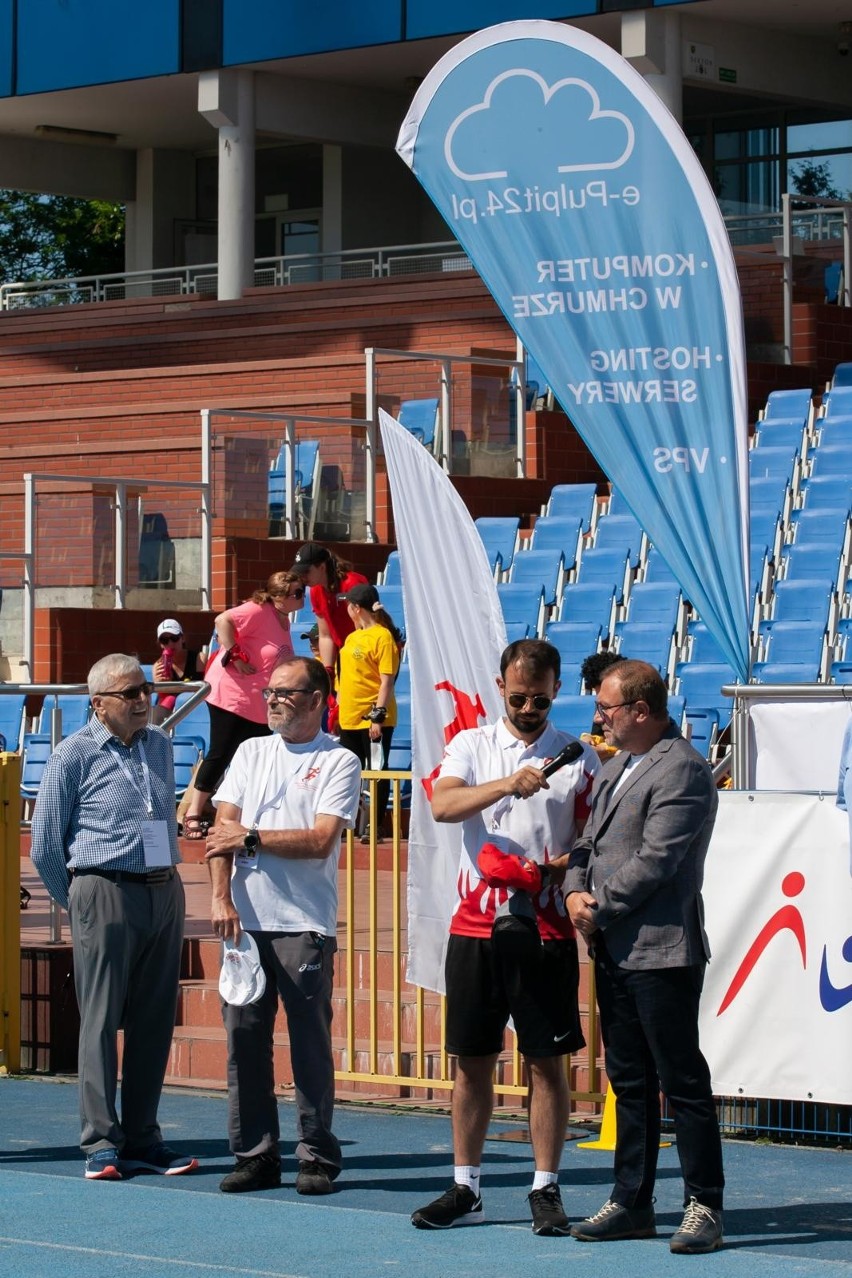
x=173 y=431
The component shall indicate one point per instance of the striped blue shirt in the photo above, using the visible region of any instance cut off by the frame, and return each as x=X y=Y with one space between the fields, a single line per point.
x=89 y=812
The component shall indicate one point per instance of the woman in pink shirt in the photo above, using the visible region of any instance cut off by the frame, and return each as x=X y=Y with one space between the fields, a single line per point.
x=253 y=638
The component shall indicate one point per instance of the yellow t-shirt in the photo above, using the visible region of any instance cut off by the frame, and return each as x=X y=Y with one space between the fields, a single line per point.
x=365 y=656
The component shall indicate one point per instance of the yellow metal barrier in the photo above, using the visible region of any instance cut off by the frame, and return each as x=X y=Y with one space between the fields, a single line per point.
x=383 y=1049
x=10 y=909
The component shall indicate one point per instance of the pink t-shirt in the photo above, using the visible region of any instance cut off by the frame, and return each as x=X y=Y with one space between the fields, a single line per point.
x=266 y=642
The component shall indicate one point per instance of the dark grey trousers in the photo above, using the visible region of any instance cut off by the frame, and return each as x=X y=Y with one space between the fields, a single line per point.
x=127 y=940
x=300 y=967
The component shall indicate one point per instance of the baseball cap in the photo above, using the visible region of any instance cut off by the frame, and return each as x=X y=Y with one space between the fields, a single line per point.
x=363 y=595
x=310 y=556
x=242 y=980
x=169 y=627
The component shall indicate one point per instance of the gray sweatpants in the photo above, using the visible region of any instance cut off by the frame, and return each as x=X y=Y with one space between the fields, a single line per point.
x=127 y=940
x=300 y=967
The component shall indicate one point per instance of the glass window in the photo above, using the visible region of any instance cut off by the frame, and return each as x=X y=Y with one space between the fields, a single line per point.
x=827 y=175
x=828 y=135
x=742 y=144
x=747 y=188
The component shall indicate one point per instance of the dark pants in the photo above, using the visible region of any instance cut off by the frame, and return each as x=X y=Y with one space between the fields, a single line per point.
x=649 y=1022
x=300 y=967
x=358 y=741
x=127 y=940
x=227 y=731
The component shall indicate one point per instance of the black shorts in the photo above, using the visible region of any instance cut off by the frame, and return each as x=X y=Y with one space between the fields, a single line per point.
x=512 y=974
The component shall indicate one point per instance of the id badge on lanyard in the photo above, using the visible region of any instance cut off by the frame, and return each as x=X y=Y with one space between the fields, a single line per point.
x=156 y=844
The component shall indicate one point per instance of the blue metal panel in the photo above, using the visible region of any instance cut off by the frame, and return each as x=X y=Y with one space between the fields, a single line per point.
x=6 y=61
x=63 y=46
x=441 y=17
x=254 y=30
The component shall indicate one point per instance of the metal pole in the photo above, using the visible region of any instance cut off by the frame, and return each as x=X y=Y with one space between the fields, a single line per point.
x=446 y=416
x=847 y=257
x=28 y=636
x=787 y=263
x=290 y=480
x=520 y=380
x=120 y=546
x=206 y=510
x=371 y=446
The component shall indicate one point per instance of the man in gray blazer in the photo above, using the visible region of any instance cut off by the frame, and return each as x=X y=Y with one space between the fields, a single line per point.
x=633 y=889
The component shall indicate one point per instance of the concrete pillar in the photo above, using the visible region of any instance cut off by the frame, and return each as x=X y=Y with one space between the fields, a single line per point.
x=651 y=42
x=226 y=99
x=332 y=199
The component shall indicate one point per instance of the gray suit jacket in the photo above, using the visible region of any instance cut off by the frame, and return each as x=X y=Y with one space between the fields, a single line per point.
x=642 y=855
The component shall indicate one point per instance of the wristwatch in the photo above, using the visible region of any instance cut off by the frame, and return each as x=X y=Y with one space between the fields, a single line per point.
x=251 y=842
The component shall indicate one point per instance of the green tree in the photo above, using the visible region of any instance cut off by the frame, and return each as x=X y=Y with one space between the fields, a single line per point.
x=46 y=237
x=810 y=178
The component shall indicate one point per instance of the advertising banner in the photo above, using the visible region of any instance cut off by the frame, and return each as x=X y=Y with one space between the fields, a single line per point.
x=587 y=214
x=776 y=1012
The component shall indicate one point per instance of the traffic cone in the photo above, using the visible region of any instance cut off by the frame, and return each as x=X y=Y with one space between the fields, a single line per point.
x=606 y=1139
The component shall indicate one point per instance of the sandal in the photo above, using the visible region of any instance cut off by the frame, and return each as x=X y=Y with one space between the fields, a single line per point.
x=195 y=827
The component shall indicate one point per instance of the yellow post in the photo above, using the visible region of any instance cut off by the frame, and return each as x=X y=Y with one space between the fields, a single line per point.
x=10 y=912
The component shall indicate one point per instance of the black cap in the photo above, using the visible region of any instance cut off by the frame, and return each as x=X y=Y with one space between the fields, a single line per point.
x=312 y=635
x=363 y=595
x=310 y=556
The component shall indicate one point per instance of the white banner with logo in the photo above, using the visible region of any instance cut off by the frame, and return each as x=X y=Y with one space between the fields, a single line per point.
x=776 y=1014
x=456 y=636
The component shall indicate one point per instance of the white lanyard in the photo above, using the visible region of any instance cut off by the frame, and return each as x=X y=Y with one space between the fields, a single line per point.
x=278 y=797
x=147 y=796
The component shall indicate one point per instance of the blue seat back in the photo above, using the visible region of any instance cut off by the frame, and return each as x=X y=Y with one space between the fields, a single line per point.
x=499 y=535
x=419 y=417
x=574 y=501
x=12 y=719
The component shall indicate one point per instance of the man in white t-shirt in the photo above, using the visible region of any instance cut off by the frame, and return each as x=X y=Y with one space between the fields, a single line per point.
x=512 y=949
x=273 y=852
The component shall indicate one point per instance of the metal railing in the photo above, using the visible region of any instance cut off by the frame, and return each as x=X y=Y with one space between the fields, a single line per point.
x=742 y=693
x=270 y=272
x=398 y=1040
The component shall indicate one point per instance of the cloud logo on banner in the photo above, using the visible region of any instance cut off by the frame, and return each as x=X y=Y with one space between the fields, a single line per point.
x=565 y=118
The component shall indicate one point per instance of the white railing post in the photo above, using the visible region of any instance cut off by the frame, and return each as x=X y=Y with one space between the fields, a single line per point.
x=520 y=410
x=446 y=416
x=28 y=638
x=290 y=529
x=120 y=545
x=787 y=266
x=371 y=445
x=206 y=510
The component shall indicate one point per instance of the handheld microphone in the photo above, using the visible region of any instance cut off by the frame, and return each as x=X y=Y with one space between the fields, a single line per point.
x=570 y=754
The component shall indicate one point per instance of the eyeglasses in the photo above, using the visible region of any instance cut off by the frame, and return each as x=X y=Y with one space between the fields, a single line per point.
x=607 y=710
x=169 y=639
x=517 y=699
x=293 y=592
x=130 y=694
x=283 y=694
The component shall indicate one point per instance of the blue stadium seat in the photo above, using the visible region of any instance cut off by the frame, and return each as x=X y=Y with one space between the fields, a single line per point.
x=75 y=708
x=826 y=526
x=532 y=567
x=795 y=641
x=36 y=752
x=772 y=462
x=704 y=648
x=656 y=568
x=700 y=685
x=621 y=532
x=572 y=714
x=677 y=705
x=774 y=434
x=575 y=640
x=823 y=491
x=834 y=455
x=522 y=602
x=838 y=402
x=802 y=601
x=196 y=723
x=420 y=419
x=655 y=601
x=306 y=476
x=499 y=534
x=12 y=720
x=593 y=601
x=574 y=501
x=703 y=726
x=785 y=672
x=610 y=566
x=554 y=532
x=392 y=575
x=187 y=752
x=571 y=679
x=646 y=641
x=390 y=598
x=789 y=404
x=842 y=376
x=817 y=562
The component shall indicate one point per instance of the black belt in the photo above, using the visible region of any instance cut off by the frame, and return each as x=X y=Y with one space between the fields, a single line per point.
x=152 y=878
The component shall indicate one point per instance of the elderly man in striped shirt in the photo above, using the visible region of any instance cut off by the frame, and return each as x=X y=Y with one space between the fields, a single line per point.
x=104 y=841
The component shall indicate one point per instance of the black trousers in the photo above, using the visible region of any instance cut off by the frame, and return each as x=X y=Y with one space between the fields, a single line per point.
x=649 y=1022
x=227 y=731
x=358 y=741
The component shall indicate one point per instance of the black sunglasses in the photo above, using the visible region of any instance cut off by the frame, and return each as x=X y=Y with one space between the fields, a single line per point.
x=293 y=592
x=169 y=639
x=517 y=700
x=130 y=694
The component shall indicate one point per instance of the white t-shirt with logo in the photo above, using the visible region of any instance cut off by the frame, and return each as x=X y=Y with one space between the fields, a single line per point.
x=280 y=786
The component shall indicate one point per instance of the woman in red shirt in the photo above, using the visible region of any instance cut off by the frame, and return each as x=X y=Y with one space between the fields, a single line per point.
x=328 y=579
